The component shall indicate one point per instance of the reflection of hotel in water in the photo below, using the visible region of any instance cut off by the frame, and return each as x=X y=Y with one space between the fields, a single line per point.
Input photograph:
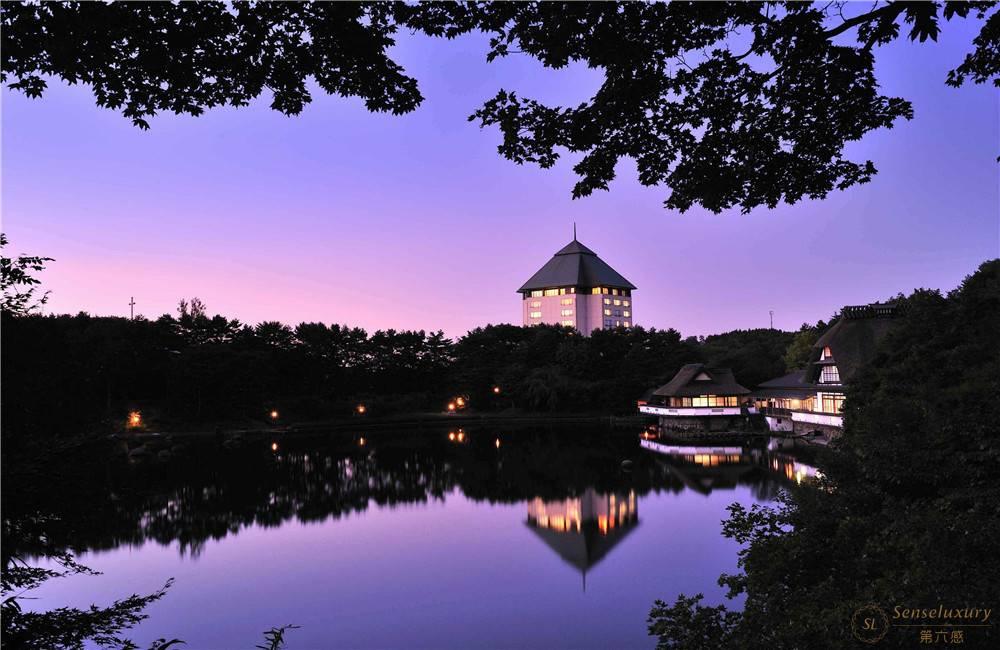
x=704 y=469
x=584 y=529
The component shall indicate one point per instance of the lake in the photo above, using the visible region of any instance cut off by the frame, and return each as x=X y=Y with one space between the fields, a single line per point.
x=475 y=538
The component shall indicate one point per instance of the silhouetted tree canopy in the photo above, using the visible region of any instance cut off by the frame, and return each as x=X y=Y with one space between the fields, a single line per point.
x=725 y=104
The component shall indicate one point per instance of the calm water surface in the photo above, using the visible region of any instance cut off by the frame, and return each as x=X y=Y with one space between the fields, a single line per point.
x=411 y=541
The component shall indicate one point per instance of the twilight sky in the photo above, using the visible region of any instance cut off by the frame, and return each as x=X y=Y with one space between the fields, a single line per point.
x=340 y=215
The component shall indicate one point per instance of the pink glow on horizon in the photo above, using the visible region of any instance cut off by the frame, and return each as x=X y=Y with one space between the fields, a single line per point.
x=415 y=222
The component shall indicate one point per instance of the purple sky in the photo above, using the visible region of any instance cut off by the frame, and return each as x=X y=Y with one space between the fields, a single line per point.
x=340 y=215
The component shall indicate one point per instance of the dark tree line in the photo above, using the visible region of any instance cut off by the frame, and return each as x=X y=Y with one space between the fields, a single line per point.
x=73 y=374
x=723 y=103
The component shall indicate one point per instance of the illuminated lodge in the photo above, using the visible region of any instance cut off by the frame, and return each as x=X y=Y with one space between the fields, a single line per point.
x=698 y=398
x=812 y=399
x=576 y=288
x=584 y=529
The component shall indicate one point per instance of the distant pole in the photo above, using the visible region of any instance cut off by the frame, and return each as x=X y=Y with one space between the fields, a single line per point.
x=131 y=307
x=771 y=312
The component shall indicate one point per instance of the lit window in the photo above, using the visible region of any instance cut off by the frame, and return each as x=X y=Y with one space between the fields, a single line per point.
x=535 y=314
x=618 y=323
x=627 y=303
x=595 y=290
x=826 y=354
x=536 y=294
x=829 y=375
x=626 y=313
x=628 y=324
x=562 y=292
x=607 y=312
x=536 y=303
x=604 y=290
x=552 y=292
x=617 y=302
x=607 y=301
x=566 y=312
x=568 y=323
x=566 y=301
x=614 y=292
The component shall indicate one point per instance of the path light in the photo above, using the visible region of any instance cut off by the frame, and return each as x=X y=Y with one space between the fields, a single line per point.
x=134 y=419
x=461 y=435
x=497 y=443
x=274 y=446
x=496 y=390
x=361 y=441
x=451 y=436
x=451 y=406
x=460 y=401
x=273 y=414
x=361 y=409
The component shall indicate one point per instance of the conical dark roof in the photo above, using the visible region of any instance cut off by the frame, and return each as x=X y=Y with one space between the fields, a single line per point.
x=576 y=266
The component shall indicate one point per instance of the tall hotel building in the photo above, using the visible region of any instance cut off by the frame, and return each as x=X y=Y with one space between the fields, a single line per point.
x=576 y=288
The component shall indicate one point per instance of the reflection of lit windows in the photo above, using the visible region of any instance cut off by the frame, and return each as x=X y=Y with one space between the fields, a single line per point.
x=535 y=314
x=617 y=302
x=607 y=312
x=626 y=313
x=536 y=303
x=552 y=292
x=607 y=301
x=566 y=301
x=829 y=375
x=536 y=294
x=566 y=312
x=568 y=323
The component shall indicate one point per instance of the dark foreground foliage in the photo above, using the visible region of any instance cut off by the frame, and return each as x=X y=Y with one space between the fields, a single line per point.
x=909 y=511
x=723 y=103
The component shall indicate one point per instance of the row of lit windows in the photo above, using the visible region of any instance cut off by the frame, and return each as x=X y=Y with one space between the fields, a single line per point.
x=538 y=293
x=706 y=400
x=618 y=303
x=535 y=314
x=566 y=301
x=568 y=323
x=566 y=312
x=608 y=323
x=830 y=402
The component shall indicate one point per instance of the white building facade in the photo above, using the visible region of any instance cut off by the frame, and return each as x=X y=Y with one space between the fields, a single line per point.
x=578 y=289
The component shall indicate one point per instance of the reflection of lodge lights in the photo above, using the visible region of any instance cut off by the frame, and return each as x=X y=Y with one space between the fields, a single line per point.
x=460 y=402
x=361 y=409
x=497 y=443
x=361 y=441
x=134 y=419
x=451 y=436
x=451 y=406
x=274 y=446
x=456 y=436
x=274 y=415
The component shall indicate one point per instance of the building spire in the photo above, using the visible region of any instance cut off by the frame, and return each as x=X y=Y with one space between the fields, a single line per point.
x=574 y=231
